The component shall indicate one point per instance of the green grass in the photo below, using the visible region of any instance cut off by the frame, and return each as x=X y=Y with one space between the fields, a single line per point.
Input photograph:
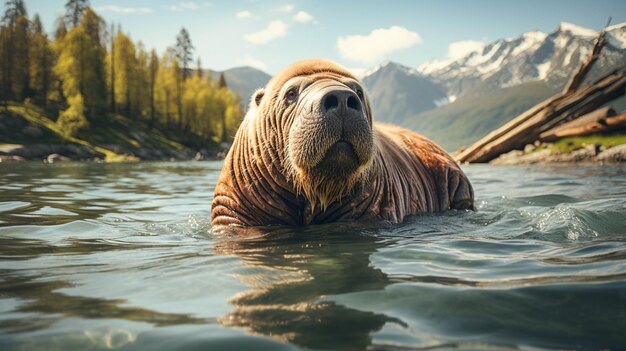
x=570 y=144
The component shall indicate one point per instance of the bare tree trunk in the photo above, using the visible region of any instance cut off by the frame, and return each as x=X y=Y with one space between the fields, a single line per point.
x=596 y=123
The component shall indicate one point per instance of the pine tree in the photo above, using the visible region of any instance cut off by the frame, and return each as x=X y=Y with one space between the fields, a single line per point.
x=92 y=56
x=111 y=60
x=222 y=82
x=199 y=72
x=222 y=86
x=184 y=51
x=60 y=29
x=40 y=62
x=4 y=66
x=166 y=87
x=15 y=53
x=125 y=63
x=142 y=81
x=153 y=69
x=80 y=68
x=14 y=10
x=74 y=10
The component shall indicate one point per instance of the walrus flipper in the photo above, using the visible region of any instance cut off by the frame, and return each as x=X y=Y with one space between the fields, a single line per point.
x=460 y=192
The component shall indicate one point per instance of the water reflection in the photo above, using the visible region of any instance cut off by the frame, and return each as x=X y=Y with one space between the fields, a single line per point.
x=290 y=270
x=40 y=295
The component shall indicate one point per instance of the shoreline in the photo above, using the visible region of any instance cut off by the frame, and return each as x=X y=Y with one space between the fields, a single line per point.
x=589 y=154
x=70 y=152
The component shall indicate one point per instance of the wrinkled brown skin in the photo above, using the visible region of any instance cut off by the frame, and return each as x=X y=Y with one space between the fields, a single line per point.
x=270 y=178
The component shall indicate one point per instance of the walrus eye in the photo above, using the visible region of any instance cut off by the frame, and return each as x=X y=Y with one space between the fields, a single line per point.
x=359 y=93
x=291 y=95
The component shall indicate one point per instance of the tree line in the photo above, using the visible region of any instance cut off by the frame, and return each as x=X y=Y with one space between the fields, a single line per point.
x=88 y=72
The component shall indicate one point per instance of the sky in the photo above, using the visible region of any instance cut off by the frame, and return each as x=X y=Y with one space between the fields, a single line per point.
x=270 y=35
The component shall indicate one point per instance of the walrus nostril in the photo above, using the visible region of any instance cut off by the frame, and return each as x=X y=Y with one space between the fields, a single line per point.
x=330 y=102
x=354 y=103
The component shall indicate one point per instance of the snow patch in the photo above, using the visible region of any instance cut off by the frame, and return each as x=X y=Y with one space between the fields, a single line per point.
x=441 y=102
x=485 y=70
x=576 y=30
x=617 y=35
x=568 y=57
x=542 y=70
x=560 y=42
x=432 y=66
x=530 y=40
x=477 y=60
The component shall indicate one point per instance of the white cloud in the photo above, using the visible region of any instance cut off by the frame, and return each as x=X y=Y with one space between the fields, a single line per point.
x=275 y=30
x=302 y=17
x=253 y=62
x=358 y=71
x=243 y=14
x=286 y=8
x=124 y=10
x=460 y=49
x=183 y=6
x=376 y=45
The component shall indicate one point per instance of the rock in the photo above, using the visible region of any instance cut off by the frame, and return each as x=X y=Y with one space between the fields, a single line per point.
x=198 y=157
x=32 y=131
x=518 y=157
x=9 y=149
x=52 y=158
x=222 y=154
x=139 y=136
x=11 y=158
x=529 y=148
x=585 y=154
x=130 y=158
x=614 y=154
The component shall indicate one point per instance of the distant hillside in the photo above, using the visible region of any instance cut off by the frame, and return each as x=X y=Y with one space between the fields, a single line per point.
x=243 y=81
x=470 y=117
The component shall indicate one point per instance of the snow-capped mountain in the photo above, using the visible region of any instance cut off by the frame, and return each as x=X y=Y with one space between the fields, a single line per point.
x=398 y=91
x=530 y=57
x=456 y=102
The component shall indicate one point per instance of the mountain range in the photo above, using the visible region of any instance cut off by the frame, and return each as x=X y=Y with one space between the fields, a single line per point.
x=455 y=102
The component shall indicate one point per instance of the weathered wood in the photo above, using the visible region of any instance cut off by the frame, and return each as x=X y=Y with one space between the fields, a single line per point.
x=577 y=79
x=596 y=116
x=557 y=109
x=603 y=125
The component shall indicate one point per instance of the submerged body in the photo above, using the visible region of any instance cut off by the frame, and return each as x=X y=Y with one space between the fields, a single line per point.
x=307 y=152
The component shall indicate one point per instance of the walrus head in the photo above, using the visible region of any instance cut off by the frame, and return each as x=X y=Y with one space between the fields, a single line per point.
x=316 y=117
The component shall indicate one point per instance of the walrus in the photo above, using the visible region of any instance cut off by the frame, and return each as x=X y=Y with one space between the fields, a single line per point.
x=307 y=152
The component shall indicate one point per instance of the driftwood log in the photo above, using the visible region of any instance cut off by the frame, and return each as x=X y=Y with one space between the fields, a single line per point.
x=560 y=108
x=573 y=102
x=596 y=122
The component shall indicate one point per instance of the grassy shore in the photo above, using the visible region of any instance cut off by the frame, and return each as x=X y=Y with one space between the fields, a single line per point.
x=114 y=140
x=570 y=144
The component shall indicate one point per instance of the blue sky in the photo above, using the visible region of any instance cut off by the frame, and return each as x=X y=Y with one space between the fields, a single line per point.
x=357 y=34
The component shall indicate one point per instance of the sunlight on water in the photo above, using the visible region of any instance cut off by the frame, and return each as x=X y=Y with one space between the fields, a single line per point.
x=122 y=256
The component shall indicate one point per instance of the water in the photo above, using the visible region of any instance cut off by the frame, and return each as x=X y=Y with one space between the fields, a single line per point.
x=121 y=256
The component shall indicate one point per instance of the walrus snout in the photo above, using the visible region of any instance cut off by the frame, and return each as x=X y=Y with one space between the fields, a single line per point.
x=331 y=113
x=341 y=100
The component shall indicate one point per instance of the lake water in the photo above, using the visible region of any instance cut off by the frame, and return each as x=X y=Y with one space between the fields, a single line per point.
x=120 y=256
